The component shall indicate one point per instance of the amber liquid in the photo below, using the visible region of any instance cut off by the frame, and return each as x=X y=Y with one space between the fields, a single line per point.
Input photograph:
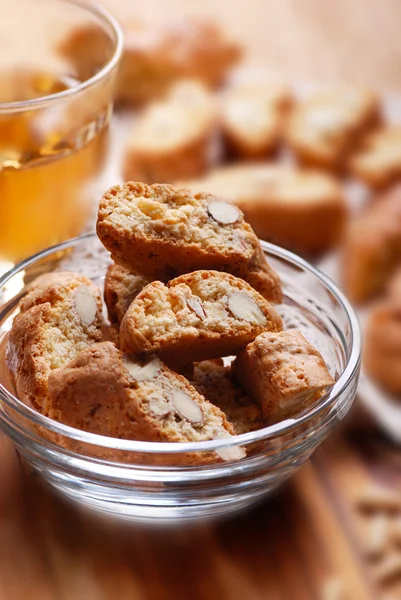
x=48 y=161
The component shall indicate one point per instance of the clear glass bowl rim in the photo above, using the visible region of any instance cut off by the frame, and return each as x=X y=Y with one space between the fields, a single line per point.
x=282 y=428
x=106 y=18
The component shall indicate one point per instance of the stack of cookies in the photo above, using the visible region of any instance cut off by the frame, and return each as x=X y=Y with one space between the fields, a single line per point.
x=189 y=287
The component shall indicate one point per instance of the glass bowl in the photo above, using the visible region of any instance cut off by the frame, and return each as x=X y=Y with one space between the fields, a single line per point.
x=143 y=480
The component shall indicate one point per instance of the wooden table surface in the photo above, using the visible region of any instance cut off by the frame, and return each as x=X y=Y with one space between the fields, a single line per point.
x=306 y=543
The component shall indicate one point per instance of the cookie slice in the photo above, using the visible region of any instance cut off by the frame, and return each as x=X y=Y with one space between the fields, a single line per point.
x=252 y=119
x=378 y=162
x=172 y=138
x=214 y=380
x=104 y=392
x=372 y=248
x=120 y=288
x=327 y=125
x=301 y=209
x=283 y=372
x=205 y=314
x=161 y=232
x=59 y=317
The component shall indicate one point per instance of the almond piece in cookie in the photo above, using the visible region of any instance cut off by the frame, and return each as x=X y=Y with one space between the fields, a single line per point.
x=104 y=392
x=283 y=372
x=372 y=248
x=300 y=209
x=215 y=381
x=161 y=232
x=378 y=161
x=162 y=320
x=173 y=137
x=58 y=318
x=324 y=128
x=120 y=288
x=252 y=119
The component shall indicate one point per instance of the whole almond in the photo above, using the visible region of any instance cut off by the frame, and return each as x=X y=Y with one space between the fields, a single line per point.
x=159 y=406
x=242 y=306
x=187 y=408
x=232 y=453
x=223 y=212
x=196 y=306
x=142 y=372
x=85 y=304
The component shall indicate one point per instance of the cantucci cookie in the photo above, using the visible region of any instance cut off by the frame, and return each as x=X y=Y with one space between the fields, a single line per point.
x=58 y=318
x=378 y=161
x=161 y=231
x=173 y=137
x=120 y=288
x=300 y=209
x=215 y=381
x=283 y=372
x=205 y=314
x=372 y=248
x=155 y=56
x=104 y=392
x=324 y=127
x=252 y=118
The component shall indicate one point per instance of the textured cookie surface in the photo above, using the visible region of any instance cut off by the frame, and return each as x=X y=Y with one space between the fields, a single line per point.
x=58 y=318
x=205 y=314
x=372 y=248
x=215 y=381
x=120 y=288
x=161 y=232
x=300 y=209
x=283 y=372
x=326 y=126
x=104 y=392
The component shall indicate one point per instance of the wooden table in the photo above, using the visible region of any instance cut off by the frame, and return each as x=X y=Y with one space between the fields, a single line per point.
x=306 y=543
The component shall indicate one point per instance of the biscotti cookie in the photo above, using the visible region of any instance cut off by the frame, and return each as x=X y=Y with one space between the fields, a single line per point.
x=104 y=392
x=56 y=322
x=372 y=248
x=215 y=381
x=382 y=344
x=252 y=119
x=155 y=56
x=325 y=127
x=200 y=315
x=300 y=209
x=161 y=231
x=378 y=162
x=173 y=137
x=120 y=288
x=283 y=372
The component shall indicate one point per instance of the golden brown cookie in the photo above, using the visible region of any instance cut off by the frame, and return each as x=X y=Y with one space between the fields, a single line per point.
x=300 y=209
x=378 y=162
x=283 y=372
x=104 y=392
x=155 y=56
x=325 y=127
x=252 y=119
x=57 y=321
x=173 y=137
x=120 y=288
x=215 y=381
x=161 y=231
x=205 y=314
x=372 y=248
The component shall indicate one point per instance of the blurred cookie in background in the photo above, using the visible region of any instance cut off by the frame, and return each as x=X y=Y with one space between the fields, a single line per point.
x=174 y=137
x=156 y=56
x=300 y=209
x=325 y=127
x=378 y=163
x=372 y=248
x=252 y=118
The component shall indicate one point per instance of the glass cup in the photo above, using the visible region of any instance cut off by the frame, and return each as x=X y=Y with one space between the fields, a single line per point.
x=53 y=122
